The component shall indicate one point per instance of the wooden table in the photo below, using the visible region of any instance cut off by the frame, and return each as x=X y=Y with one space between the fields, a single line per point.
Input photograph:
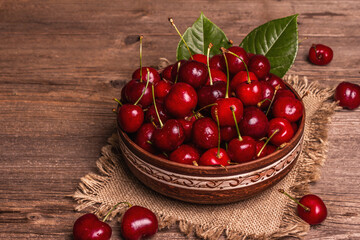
x=61 y=62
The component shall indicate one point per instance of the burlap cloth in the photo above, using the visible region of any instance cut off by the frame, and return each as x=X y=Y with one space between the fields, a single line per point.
x=268 y=215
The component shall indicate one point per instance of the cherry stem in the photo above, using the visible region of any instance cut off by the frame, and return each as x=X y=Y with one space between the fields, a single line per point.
x=114 y=110
x=219 y=137
x=236 y=124
x=227 y=73
x=246 y=68
x=208 y=63
x=231 y=42
x=272 y=100
x=118 y=101
x=113 y=208
x=146 y=86
x=156 y=110
x=207 y=106
x=173 y=24
x=195 y=163
x=149 y=142
x=301 y=205
x=266 y=142
x=261 y=102
x=141 y=37
x=177 y=72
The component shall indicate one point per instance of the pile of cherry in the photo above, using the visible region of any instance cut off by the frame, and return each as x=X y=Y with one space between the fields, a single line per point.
x=210 y=111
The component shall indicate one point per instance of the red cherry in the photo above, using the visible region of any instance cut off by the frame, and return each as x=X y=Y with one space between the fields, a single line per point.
x=320 y=54
x=199 y=58
x=285 y=131
x=289 y=108
x=223 y=108
x=187 y=124
x=317 y=210
x=235 y=64
x=268 y=149
x=169 y=137
x=348 y=94
x=138 y=222
x=294 y=126
x=143 y=137
x=181 y=100
x=153 y=74
x=217 y=76
x=134 y=90
x=130 y=117
x=241 y=77
x=249 y=93
x=241 y=151
x=259 y=65
x=205 y=133
x=175 y=70
x=284 y=93
x=185 y=154
x=211 y=158
x=274 y=80
x=166 y=73
x=208 y=94
x=254 y=123
x=227 y=133
x=250 y=55
x=89 y=227
x=151 y=115
x=267 y=92
x=217 y=62
x=193 y=73
x=162 y=88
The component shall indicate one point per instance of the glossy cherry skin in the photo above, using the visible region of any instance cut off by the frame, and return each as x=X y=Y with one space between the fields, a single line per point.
x=234 y=63
x=267 y=92
x=205 y=133
x=284 y=93
x=187 y=124
x=320 y=54
x=166 y=73
x=175 y=70
x=217 y=62
x=211 y=158
x=268 y=149
x=199 y=58
x=318 y=210
x=223 y=108
x=274 y=80
x=138 y=222
x=162 y=88
x=254 y=123
x=208 y=94
x=241 y=77
x=89 y=227
x=228 y=133
x=348 y=94
x=242 y=151
x=144 y=136
x=185 y=154
x=169 y=137
x=289 y=108
x=181 y=100
x=259 y=65
x=134 y=90
x=130 y=117
x=151 y=116
x=249 y=93
x=154 y=76
x=285 y=133
x=217 y=76
x=193 y=73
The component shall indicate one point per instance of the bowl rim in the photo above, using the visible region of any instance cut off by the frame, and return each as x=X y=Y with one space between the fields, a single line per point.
x=216 y=170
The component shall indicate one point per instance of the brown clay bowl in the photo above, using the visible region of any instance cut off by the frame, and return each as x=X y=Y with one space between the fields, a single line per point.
x=211 y=185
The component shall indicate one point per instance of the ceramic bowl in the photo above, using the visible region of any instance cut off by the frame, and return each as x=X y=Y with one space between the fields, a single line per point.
x=211 y=185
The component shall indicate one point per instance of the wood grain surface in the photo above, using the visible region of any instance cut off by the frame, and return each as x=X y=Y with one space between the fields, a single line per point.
x=61 y=62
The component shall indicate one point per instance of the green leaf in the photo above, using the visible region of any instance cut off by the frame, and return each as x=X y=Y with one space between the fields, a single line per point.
x=198 y=37
x=277 y=40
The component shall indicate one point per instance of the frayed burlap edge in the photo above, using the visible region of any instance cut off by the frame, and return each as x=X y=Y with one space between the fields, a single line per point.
x=314 y=155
